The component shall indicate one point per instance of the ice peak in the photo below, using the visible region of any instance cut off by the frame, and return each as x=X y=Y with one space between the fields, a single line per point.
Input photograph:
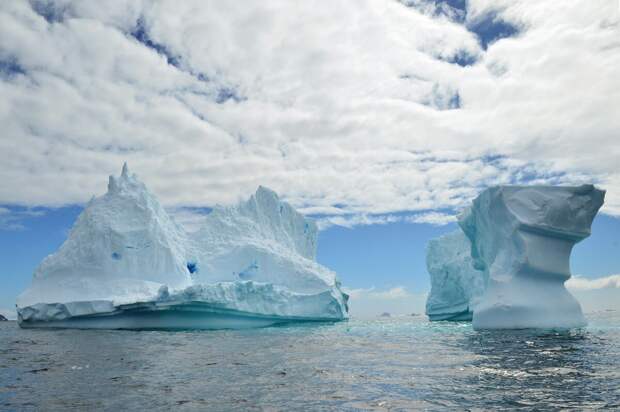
x=125 y=171
x=125 y=182
x=263 y=218
x=124 y=234
x=265 y=195
x=265 y=189
x=266 y=202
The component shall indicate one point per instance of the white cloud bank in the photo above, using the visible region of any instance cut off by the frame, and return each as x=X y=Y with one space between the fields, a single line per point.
x=351 y=108
x=606 y=282
x=9 y=314
x=349 y=221
x=596 y=294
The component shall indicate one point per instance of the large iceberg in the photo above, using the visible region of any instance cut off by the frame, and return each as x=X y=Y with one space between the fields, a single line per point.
x=456 y=286
x=127 y=264
x=521 y=238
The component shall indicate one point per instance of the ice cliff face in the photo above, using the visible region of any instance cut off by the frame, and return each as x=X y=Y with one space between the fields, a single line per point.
x=265 y=218
x=126 y=259
x=456 y=286
x=521 y=238
x=122 y=247
x=263 y=240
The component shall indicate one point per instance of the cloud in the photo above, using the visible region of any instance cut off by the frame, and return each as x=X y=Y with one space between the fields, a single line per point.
x=358 y=109
x=10 y=314
x=397 y=292
x=598 y=294
x=433 y=218
x=355 y=220
x=12 y=219
x=582 y=283
x=349 y=221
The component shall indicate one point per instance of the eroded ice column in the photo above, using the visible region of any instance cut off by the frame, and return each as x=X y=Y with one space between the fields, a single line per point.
x=522 y=237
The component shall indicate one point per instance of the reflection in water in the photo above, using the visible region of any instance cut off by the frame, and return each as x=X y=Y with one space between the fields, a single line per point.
x=386 y=364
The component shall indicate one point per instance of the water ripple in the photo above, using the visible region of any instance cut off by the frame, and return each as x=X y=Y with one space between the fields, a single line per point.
x=387 y=364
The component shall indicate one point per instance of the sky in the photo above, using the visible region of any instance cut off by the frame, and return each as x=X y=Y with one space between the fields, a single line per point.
x=381 y=119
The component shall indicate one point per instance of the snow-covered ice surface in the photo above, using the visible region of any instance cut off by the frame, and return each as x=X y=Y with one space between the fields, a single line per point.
x=456 y=286
x=522 y=237
x=127 y=264
x=263 y=240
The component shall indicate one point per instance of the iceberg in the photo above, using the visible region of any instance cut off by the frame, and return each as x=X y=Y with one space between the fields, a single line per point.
x=127 y=265
x=456 y=286
x=521 y=238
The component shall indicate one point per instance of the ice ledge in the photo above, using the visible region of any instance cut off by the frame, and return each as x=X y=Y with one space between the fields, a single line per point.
x=199 y=306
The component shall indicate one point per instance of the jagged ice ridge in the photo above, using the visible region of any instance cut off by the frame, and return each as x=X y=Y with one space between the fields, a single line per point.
x=127 y=264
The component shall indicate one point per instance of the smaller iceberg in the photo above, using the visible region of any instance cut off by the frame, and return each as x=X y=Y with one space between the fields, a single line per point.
x=522 y=237
x=127 y=265
x=507 y=268
x=456 y=286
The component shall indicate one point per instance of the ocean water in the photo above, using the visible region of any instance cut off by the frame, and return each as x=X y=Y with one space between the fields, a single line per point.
x=400 y=363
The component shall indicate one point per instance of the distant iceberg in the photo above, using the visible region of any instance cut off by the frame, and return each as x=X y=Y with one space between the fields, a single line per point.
x=521 y=238
x=456 y=286
x=127 y=264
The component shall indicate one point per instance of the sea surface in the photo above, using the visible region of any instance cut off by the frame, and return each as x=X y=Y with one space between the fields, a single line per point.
x=398 y=363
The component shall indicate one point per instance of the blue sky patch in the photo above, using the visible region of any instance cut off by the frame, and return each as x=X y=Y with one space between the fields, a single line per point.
x=10 y=68
x=463 y=58
x=490 y=28
x=50 y=11
x=443 y=98
x=225 y=94
x=141 y=34
x=455 y=10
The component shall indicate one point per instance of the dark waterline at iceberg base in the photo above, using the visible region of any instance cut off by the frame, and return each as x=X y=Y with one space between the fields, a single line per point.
x=390 y=363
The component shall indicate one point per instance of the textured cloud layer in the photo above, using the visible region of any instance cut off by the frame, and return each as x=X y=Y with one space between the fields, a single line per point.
x=348 y=110
x=605 y=282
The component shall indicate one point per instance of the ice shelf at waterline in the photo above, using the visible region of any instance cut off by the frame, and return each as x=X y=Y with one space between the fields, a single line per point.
x=456 y=286
x=127 y=264
x=521 y=238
